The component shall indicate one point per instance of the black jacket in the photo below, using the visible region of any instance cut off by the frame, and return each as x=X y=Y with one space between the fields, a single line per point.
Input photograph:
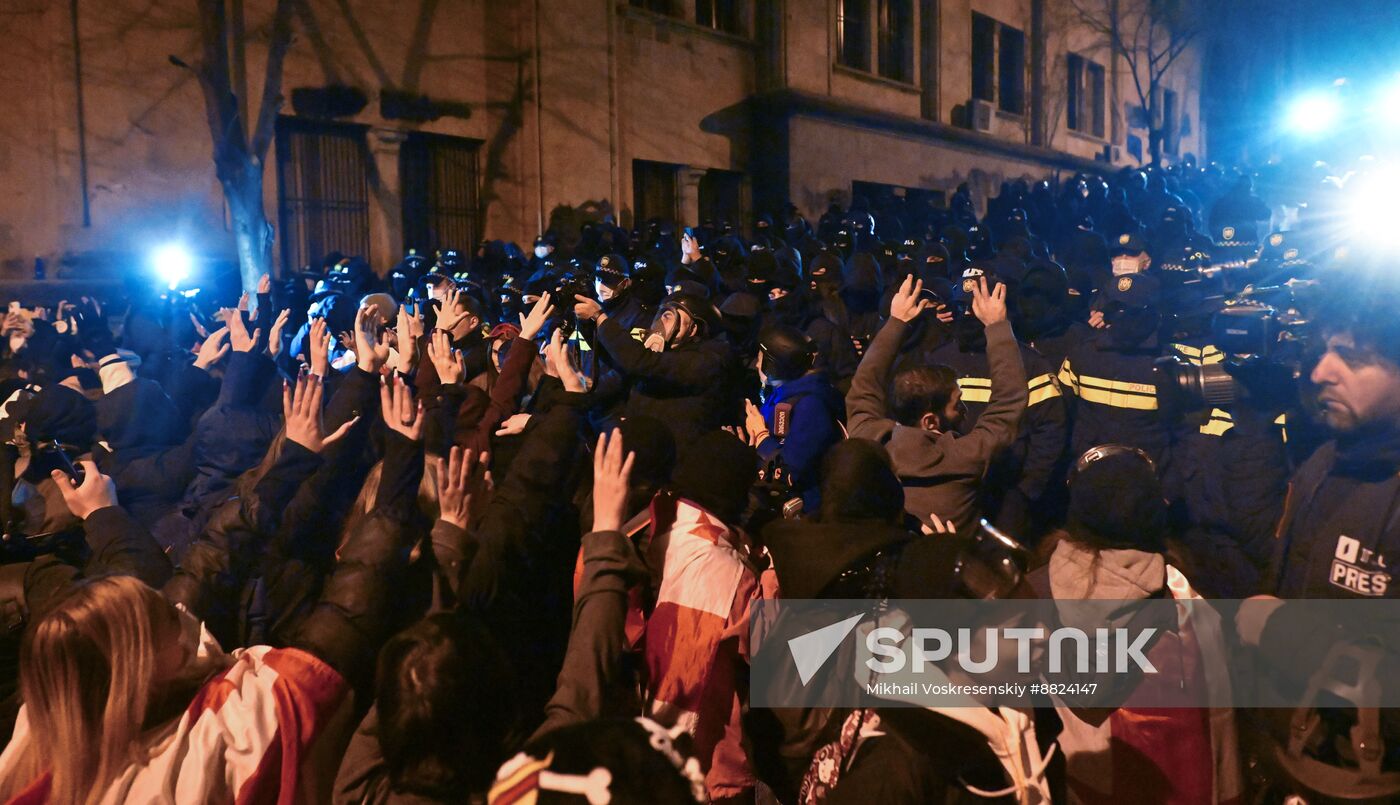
x=687 y=387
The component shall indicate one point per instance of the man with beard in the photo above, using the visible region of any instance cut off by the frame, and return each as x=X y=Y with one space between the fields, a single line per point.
x=681 y=374
x=917 y=419
x=1019 y=476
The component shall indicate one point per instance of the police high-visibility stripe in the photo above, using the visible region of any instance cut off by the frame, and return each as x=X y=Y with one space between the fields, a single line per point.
x=1199 y=356
x=1282 y=422
x=976 y=389
x=1220 y=422
x=1042 y=388
x=1138 y=396
x=1068 y=377
x=979 y=389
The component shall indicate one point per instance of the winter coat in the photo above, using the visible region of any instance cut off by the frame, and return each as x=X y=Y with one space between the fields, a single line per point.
x=941 y=472
x=815 y=424
x=1152 y=754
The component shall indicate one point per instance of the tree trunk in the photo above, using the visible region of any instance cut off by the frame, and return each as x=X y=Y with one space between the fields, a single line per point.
x=252 y=234
x=1154 y=145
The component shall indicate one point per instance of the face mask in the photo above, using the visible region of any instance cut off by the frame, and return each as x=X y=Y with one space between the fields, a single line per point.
x=663 y=330
x=1127 y=264
x=1132 y=327
x=604 y=292
x=543 y=251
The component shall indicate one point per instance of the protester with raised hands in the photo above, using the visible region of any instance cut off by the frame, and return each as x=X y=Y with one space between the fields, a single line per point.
x=115 y=667
x=917 y=420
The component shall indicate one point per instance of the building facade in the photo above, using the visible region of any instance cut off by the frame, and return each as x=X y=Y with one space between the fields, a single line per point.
x=435 y=123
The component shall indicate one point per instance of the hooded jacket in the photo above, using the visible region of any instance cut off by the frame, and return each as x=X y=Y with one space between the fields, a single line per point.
x=1189 y=753
x=814 y=426
x=941 y=472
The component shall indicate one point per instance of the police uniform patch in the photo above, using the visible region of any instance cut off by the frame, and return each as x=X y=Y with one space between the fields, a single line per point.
x=1125 y=283
x=1275 y=239
x=1228 y=233
x=1124 y=238
x=968 y=285
x=1290 y=254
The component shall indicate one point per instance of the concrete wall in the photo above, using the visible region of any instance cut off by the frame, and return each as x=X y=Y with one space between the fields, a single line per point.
x=564 y=95
x=833 y=154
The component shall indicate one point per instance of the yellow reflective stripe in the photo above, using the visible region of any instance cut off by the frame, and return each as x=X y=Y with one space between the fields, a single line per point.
x=1042 y=394
x=1282 y=422
x=976 y=395
x=1220 y=422
x=1068 y=378
x=1118 y=394
x=1200 y=356
x=583 y=345
x=975 y=389
x=639 y=333
x=1041 y=388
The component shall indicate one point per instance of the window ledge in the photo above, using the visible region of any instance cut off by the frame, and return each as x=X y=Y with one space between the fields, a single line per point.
x=1013 y=117
x=1086 y=136
x=875 y=78
x=683 y=25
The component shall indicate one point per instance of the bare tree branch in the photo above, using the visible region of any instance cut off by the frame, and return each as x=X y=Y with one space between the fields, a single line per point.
x=272 y=85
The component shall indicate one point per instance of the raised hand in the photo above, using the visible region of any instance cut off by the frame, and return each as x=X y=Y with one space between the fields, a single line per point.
x=611 y=471
x=449 y=315
x=401 y=412
x=989 y=308
x=238 y=335
x=407 y=340
x=301 y=408
x=464 y=483
x=213 y=350
x=371 y=350
x=908 y=301
x=319 y=346
x=274 y=338
x=534 y=321
x=97 y=491
x=446 y=360
x=690 y=249
x=558 y=363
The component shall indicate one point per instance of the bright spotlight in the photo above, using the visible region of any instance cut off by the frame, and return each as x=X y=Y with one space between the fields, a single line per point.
x=1372 y=210
x=1389 y=104
x=172 y=264
x=1314 y=113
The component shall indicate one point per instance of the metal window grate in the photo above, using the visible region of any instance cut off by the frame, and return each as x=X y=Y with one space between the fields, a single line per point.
x=323 y=196
x=441 y=192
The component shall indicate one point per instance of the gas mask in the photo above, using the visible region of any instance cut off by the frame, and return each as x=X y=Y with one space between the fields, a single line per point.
x=1129 y=264
x=668 y=330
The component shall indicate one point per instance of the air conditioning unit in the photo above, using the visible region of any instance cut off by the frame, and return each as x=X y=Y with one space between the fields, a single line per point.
x=1111 y=154
x=979 y=114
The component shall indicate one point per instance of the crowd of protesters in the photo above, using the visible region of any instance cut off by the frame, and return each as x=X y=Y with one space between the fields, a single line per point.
x=489 y=526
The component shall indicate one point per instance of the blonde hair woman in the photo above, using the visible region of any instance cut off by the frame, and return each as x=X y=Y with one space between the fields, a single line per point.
x=129 y=699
